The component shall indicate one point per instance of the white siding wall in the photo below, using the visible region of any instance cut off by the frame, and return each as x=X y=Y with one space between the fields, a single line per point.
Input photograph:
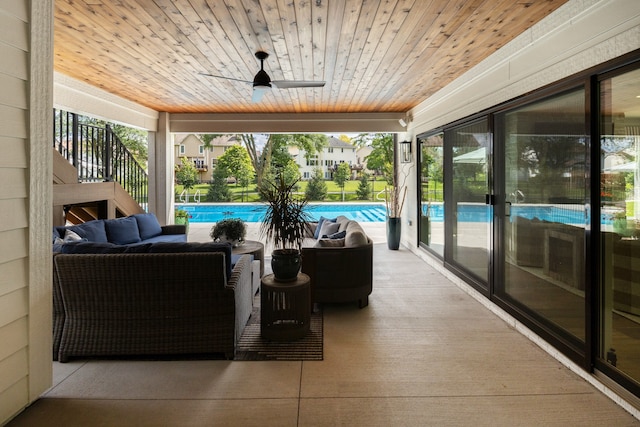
x=25 y=215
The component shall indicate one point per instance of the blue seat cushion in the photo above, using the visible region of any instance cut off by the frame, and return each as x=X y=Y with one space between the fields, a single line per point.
x=176 y=238
x=148 y=225
x=236 y=257
x=91 y=248
x=122 y=231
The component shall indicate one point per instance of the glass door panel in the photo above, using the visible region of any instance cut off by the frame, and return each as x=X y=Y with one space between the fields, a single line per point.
x=470 y=215
x=432 y=192
x=545 y=160
x=620 y=222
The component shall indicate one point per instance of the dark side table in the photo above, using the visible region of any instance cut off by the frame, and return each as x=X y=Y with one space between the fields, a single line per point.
x=284 y=308
x=254 y=248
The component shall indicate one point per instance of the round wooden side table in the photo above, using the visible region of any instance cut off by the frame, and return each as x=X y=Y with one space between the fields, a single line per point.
x=284 y=308
x=254 y=248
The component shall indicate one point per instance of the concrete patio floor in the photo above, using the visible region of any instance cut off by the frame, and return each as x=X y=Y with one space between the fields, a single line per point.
x=423 y=353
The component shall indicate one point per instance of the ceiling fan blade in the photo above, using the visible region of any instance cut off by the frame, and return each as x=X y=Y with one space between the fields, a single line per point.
x=226 y=78
x=258 y=93
x=291 y=84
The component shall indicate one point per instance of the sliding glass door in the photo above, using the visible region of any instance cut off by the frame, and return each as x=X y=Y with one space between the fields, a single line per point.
x=543 y=168
x=620 y=223
x=468 y=211
x=431 y=190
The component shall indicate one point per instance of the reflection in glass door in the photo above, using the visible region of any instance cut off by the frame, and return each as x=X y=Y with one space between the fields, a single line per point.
x=432 y=192
x=470 y=215
x=620 y=222
x=543 y=238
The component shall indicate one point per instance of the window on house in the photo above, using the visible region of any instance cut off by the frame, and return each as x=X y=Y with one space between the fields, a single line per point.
x=329 y=150
x=182 y=149
x=201 y=149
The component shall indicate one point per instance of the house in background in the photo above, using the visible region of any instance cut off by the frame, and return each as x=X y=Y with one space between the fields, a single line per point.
x=337 y=151
x=204 y=158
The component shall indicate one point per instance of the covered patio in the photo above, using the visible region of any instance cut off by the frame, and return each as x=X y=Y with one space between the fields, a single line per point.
x=424 y=352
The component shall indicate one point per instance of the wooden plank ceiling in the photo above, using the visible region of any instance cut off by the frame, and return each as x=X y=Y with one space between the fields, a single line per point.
x=375 y=56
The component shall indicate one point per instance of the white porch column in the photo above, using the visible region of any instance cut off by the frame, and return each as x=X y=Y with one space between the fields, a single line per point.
x=161 y=171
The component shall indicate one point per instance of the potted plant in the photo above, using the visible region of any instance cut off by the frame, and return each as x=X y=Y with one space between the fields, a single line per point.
x=182 y=217
x=284 y=224
x=232 y=230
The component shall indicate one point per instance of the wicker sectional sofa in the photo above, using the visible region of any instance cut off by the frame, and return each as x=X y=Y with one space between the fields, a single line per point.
x=154 y=299
x=340 y=265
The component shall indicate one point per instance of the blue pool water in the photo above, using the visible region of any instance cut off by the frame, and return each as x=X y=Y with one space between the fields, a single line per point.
x=254 y=212
x=469 y=212
x=375 y=212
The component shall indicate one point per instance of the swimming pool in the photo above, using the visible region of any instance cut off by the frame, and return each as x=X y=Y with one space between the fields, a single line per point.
x=254 y=212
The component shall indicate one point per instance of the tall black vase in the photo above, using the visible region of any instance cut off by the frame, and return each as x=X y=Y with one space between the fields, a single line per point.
x=394 y=229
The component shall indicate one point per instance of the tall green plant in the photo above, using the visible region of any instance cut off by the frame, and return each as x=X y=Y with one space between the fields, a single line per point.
x=286 y=218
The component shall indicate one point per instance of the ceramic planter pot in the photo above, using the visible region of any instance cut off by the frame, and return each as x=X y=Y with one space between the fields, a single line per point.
x=285 y=264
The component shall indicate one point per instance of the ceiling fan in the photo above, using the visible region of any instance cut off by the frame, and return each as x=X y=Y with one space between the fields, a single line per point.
x=262 y=82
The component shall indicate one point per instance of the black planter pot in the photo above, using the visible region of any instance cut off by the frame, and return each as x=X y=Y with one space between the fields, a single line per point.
x=285 y=264
x=394 y=229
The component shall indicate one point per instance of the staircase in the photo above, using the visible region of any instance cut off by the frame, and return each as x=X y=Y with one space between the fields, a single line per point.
x=94 y=175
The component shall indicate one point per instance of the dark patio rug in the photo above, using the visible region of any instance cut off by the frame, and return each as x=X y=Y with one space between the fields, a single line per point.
x=253 y=347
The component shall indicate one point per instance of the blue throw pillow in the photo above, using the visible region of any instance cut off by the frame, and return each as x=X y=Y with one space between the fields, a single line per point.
x=338 y=235
x=148 y=225
x=93 y=231
x=122 y=231
x=322 y=219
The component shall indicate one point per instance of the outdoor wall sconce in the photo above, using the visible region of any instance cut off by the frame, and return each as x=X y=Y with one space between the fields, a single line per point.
x=405 y=152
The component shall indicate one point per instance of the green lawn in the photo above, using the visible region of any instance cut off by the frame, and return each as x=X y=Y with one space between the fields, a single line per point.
x=251 y=195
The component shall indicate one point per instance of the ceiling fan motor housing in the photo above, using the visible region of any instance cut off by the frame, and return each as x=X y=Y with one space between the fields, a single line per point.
x=262 y=79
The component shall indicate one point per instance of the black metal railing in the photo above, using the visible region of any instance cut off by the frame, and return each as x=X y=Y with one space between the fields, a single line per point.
x=99 y=155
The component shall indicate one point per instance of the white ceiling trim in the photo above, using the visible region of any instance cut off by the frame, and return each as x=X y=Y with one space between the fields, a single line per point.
x=79 y=97
x=287 y=123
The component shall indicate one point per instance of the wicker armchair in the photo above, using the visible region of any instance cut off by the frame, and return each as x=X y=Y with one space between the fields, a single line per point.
x=149 y=304
x=341 y=274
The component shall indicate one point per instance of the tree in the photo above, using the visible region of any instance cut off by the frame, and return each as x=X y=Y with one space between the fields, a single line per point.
x=186 y=174
x=364 y=189
x=316 y=187
x=381 y=157
x=236 y=162
x=135 y=140
x=274 y=153
x=341 y=176
x=218 y=189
